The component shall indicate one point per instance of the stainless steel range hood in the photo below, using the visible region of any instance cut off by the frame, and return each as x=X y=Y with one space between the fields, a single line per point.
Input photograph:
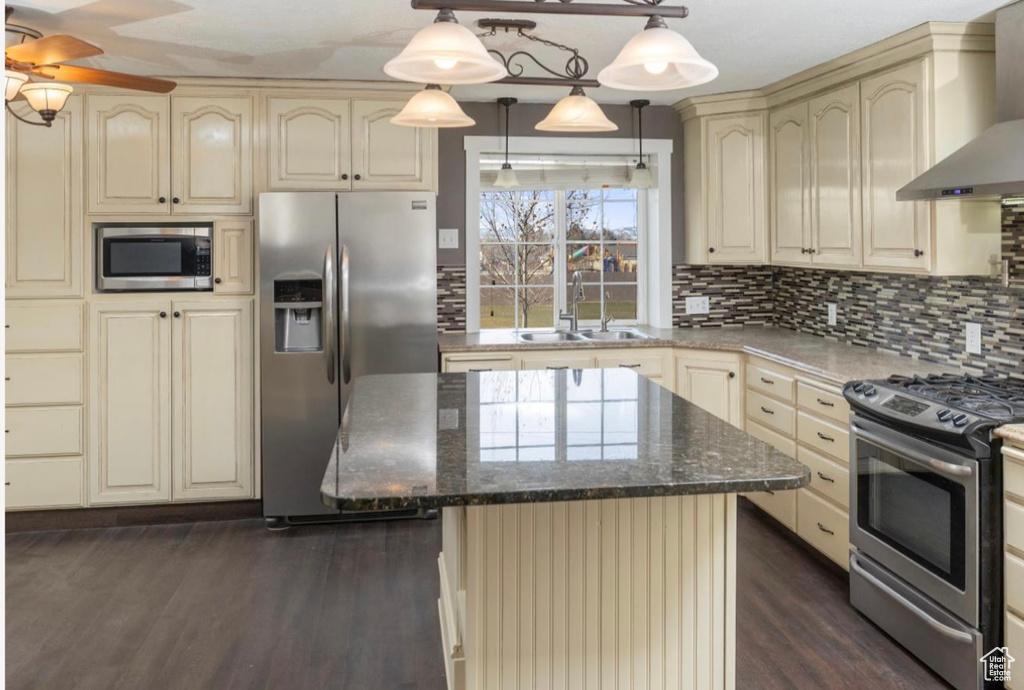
x=992 y=165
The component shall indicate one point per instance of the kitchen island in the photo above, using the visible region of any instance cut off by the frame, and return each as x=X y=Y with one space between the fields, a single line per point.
x=589 y=520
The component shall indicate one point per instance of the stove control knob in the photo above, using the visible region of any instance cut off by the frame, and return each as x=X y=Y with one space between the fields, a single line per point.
x=960 y=419
x=858 y=387
x=870 y=390
x=944 y=415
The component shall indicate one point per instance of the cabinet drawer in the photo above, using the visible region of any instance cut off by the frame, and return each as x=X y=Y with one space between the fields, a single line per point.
x=822 y=402
x=44 y=431
x=823 y=526
x=828 y=478
x=462 y=365
x=44 y=327
x=772 y=438
x=771 y=413
x=781 y=505
x=1015 y=583
x=823 y=436
x=44 y=483
x=1014 y=640
x=556 y=361
x=1015 y=526
x=651 y=367
x=771 y=382
x=1013 y=472
x=44 y=380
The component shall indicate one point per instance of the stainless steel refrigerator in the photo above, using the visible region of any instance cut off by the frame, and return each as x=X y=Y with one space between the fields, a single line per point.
x=348 y=287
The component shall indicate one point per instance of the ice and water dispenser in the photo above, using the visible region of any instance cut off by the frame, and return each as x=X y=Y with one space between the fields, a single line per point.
x=298 y=314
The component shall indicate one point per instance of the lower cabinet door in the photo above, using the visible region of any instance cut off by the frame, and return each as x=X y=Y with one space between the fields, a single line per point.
x=213 y=399
x=781 y=505
x=130 y=398
x=711 y=380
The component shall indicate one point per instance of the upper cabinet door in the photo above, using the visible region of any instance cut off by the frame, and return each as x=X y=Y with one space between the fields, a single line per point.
x=386 y=156
x=309 y=143
x=129 y=154
x=835 y=177
x=232 y=257
x=790 y=184
x=736 y=183
x=211 y=140
x=897 y=234
x=44 y=206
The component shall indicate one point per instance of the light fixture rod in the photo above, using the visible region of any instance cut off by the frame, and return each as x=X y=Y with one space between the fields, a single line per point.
x=627 y=9
x=550 y=81
x=44 y=123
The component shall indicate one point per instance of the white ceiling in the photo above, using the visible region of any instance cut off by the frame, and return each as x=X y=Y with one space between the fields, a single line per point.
x=753 y=42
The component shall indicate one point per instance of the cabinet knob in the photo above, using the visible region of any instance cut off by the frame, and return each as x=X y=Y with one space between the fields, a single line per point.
x=732 y=374
x=162 y=200
x=358 y=176
x=163 y=315
x=175 y=200
x=711 y=250
x=344 y=176
x=918 y=252
x=217 y=280
x=177 y=314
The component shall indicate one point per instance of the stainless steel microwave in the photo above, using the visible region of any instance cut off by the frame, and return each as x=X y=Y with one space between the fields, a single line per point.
x=149 y=258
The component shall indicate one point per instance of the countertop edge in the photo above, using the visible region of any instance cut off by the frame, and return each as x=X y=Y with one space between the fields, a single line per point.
x=1013 y=433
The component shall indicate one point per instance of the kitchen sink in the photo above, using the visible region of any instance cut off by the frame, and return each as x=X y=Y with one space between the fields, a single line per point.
x=615 y=335
x=550 y=337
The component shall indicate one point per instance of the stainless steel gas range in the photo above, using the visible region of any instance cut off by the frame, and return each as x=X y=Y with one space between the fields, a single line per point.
x=926 y=520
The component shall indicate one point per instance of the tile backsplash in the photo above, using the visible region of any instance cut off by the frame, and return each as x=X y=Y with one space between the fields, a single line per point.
x=740 y=295
x=451 y=299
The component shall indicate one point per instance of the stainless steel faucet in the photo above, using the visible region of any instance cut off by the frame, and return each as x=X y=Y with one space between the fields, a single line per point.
x=578 y=295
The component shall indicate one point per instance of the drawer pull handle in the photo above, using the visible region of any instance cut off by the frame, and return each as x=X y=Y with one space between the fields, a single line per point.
x=826 y=479
x=7 y=378
x=823 y=437
x=769 y=492
x=477 y=371
x=825 y=403
x=826 y=530
x=768 y=381
x=766 y=410
x=630 y=366
x=7 y=483
x=557 y=368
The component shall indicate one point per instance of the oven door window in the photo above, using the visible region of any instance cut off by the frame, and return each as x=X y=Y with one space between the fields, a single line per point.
x=128 y=257
x=913 y=510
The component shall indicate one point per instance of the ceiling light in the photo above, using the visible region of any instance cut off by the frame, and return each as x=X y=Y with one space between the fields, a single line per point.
x=13 y=82
x=576 y=113
x=432 y=107
x=445 y=53
x=506 y=176
x=47 y=98
x=641 y=176
x=657 y=59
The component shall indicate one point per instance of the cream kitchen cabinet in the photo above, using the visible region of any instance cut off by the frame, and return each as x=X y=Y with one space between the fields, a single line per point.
x=725 y=193
x=386 y=156
x=170 y=400
x=169 y=154
x=471 y=362
x=309 y=143
x=790 y=184
x=712 y=381
x=556 y=360
x=44 y=206
x=233 y=257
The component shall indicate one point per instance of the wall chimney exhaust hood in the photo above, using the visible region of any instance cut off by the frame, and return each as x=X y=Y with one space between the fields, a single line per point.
x=992 y=165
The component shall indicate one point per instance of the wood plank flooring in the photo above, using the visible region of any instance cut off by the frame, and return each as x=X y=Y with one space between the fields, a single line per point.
x=232 y=605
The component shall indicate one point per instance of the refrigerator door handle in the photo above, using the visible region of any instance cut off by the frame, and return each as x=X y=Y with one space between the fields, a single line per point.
x=346 y=325
x=330 y=289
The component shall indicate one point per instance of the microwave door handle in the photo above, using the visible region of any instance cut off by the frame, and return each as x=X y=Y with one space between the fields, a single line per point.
x=941 y=628
x=329 y=290
x=946 y=469
x=346 y=319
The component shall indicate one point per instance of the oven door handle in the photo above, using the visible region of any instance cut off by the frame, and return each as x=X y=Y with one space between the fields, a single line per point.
x=946 y=469
x=941 y=628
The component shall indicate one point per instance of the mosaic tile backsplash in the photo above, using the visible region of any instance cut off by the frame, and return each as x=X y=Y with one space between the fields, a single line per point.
x=740 y=295
x=451 y=299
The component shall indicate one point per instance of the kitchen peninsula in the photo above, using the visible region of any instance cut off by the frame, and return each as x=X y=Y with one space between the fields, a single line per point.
x=589 y=519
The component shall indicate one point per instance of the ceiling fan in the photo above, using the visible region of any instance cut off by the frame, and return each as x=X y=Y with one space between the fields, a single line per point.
x=43 y=58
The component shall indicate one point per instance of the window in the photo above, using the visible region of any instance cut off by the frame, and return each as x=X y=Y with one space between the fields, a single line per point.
x=534 y=240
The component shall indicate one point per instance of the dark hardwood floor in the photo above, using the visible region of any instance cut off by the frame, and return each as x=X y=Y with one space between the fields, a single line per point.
x=232 y=605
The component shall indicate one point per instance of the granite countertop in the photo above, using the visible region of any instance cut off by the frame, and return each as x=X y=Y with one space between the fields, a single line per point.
x=1012 y=433
x=828 y=359
x=432 y=440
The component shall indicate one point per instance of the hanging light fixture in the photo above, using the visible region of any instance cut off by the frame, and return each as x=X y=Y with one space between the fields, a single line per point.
x=657 y=59
x=13 y=81
x=46 y=98
x=445 y=53
x=432 y=107
x=576 y=113
x=641 y=176
x=507 y=176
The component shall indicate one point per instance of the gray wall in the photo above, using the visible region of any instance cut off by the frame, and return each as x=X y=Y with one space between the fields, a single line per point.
x=660 y=122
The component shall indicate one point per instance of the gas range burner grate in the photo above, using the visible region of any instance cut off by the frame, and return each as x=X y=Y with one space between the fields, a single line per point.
x=990 y=396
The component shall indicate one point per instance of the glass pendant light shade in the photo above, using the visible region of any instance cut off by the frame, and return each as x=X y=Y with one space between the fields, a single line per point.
x=657 y=59
x=506 y=177
x=445 y=53
x=48 y=97
x=576 y=113
x=13 y=81
x=432 y=107
x=641 y=176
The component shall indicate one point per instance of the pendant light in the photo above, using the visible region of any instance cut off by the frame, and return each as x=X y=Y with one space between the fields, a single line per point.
x=507 y=176
x=13 y=81
x=576 y=113
x=657 y=59
x=445 y=53
x=432 y=107
x=47 y=99
x=641 y=176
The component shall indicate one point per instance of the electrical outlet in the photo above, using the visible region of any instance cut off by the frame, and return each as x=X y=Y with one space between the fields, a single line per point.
x=973 y=337
x=698 y=305
x=833 y=313
x=448 y=238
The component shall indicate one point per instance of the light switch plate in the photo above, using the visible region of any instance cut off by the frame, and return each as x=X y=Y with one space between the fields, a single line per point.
x=973 y=337
x=698 y=305
x=833 y=313
x=448 y=238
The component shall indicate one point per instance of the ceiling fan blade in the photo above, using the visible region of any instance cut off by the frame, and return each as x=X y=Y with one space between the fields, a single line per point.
x=51 y=49
x=86 y=75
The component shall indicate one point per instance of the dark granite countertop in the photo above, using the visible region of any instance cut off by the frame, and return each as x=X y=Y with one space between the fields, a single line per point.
x=827 y=359
x=432 y=440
